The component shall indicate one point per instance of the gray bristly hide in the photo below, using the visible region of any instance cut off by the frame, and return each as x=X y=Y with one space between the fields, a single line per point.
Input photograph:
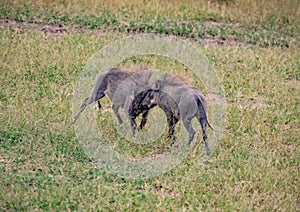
x=120 y=86
x=136 y=107
x=123 y=96
x=178 y=101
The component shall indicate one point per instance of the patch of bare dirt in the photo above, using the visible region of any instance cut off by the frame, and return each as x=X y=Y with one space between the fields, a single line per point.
x=60 y=29
x=220 y=41
x=53 y=29
x=49 y=28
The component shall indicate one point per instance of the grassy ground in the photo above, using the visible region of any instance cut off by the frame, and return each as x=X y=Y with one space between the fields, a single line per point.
x=256 y=165
x=268 y=23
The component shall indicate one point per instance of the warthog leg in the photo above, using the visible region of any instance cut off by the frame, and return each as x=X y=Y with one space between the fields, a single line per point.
x=85 y=103
x=188 y=126
x=133 y=126
x=203 y=124
x=99 y=105
x=144 y=119
x=116 y=111
x=172 y=121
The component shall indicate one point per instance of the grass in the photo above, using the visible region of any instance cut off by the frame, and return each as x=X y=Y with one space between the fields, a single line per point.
x=271 y=23
x=43 y=167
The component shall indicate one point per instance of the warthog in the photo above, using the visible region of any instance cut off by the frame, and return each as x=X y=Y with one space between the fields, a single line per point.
x=120 y=86
x=178 y=101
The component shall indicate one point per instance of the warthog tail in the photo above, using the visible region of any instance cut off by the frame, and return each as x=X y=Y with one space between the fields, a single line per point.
x=201 y=107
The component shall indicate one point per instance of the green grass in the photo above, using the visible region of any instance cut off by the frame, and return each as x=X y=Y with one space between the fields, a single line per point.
x=43 y=167
x=268 y=23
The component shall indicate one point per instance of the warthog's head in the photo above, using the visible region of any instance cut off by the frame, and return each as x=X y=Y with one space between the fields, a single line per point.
x=143 y=101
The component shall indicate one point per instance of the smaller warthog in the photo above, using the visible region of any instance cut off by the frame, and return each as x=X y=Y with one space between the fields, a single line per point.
x=120 y=86
x=178 y=101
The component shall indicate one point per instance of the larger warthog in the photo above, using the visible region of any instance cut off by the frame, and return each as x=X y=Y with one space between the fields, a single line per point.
x=178 y=101
x=120 y=86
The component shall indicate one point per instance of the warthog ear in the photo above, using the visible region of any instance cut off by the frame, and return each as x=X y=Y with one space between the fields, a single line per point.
x=157 y=85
